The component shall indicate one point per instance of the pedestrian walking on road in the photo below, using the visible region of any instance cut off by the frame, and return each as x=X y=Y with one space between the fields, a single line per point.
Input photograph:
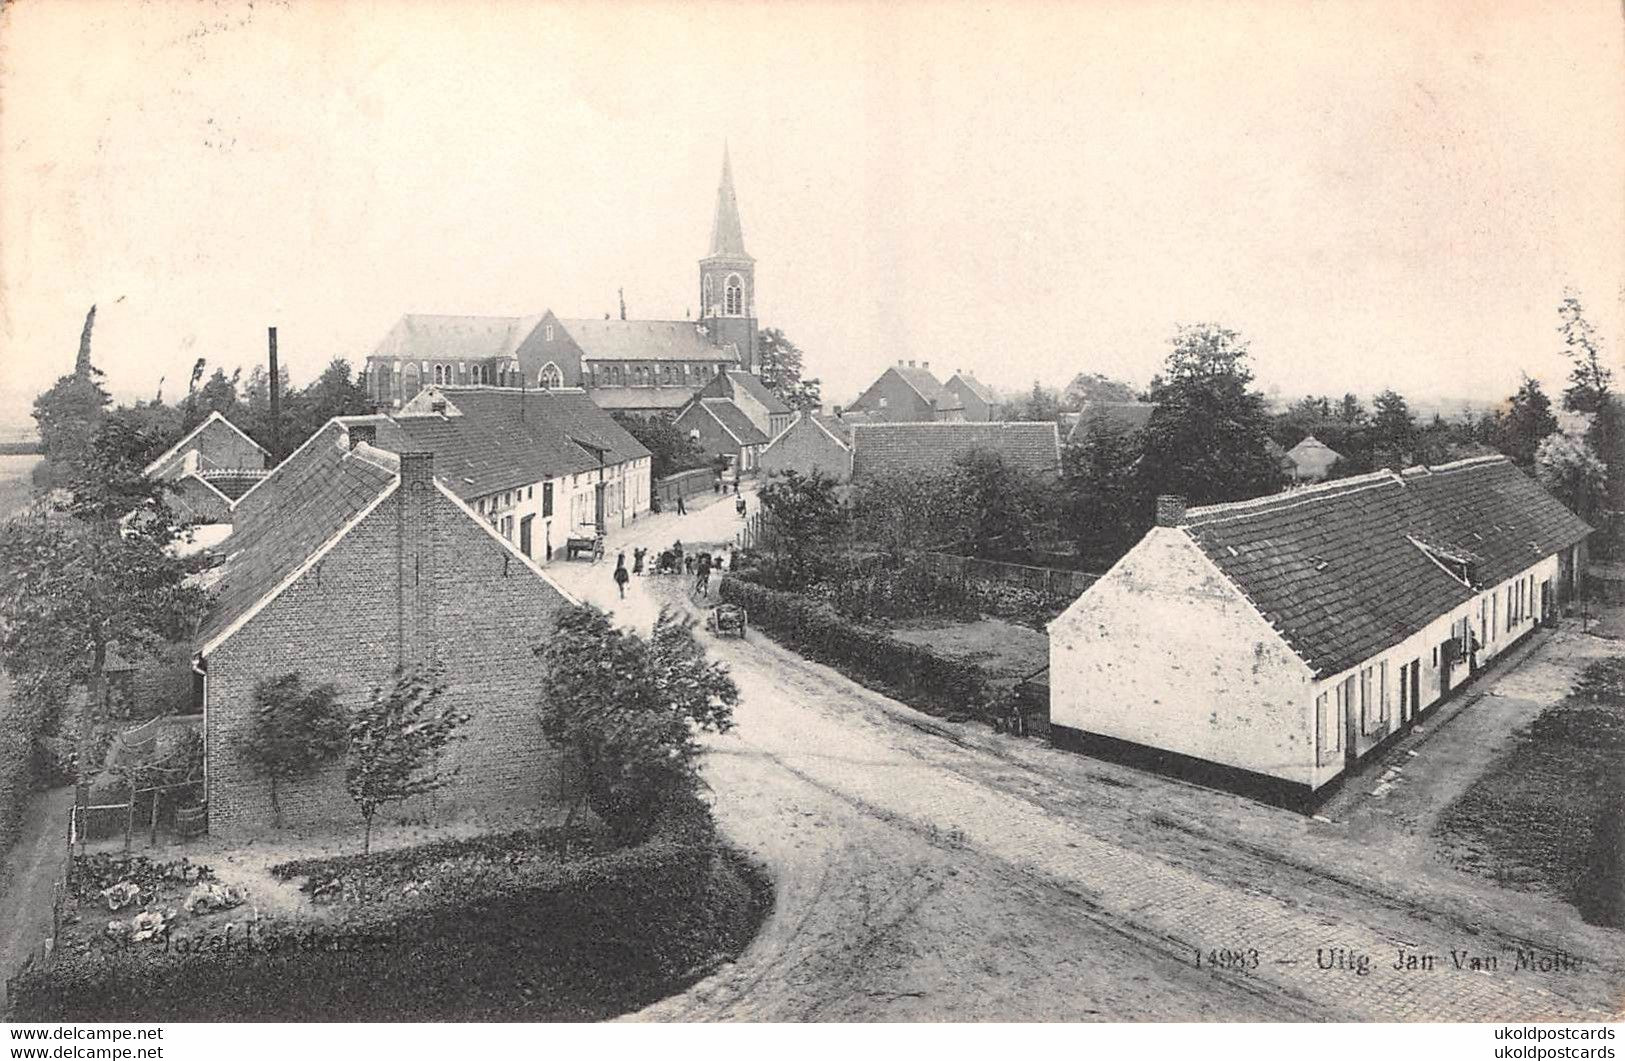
x=682 y=509
x=637 y=559
x=621 y=576
x=702 y=576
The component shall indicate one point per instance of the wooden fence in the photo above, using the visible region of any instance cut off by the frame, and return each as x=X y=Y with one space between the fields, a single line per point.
x=1056 y=583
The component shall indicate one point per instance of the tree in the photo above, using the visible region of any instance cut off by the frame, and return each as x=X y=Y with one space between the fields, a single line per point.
x=256 y=409
x=335 y=392
x=217 y=395
x=1002 y=507
x=671 y=449
x=806 y=518
x=93 y=572
x=629 y=712
x=1208 y=438
x=1393 y=429
x=1574 y=474
x=904 y=512
x=70 y=411
x=1093 y=387
x=779 y=363
x=1041 y=405
x=1590 y=380
x=1526 y=423
x=1106 y=508
x=295 y=731
x=395 y=741
x=1350 y=410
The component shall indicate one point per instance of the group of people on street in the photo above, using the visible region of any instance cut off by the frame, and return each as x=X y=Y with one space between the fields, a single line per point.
x=700 y=565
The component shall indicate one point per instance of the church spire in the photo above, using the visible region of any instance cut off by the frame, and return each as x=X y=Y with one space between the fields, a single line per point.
x=727 y=238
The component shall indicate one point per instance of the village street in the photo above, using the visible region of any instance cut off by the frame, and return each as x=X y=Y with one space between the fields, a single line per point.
x=930 y=870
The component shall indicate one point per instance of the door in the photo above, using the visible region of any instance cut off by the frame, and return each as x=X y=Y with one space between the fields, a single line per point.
x=524 y=534
x=1545 y=599
x=1447 y=655
x=1351 y=724
x=598 y=506
x=1414 y=682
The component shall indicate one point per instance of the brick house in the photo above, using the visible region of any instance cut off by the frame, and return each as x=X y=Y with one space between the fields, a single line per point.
x=1122 y=418
x=539 y=466
x=977 y=398
x=1285 y=637
x=806 y=446
x=761 y=406
x=213 y=465
x=882 y=449
x=907 y=392
x=721 y=429
x=351 y=562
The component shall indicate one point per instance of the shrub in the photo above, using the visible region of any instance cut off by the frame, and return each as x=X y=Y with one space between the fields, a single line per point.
x=1603 y=681
x=935 y=684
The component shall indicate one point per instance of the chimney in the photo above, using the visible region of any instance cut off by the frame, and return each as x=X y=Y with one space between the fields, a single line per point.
x=1170 y=510
x=415 y=551
x=360 y=433
x=276 y=402
x=899 y=362
x=621 y=291
x=925 y=364
x=911 y=362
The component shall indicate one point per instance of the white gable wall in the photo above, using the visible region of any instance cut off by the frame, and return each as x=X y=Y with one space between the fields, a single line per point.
x=1164 y=651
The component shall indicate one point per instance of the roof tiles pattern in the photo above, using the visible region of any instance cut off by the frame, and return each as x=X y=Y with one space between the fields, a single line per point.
x=1337 y=571
x=901 y=448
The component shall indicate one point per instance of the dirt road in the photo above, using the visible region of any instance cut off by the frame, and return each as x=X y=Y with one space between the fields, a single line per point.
x=926 y=870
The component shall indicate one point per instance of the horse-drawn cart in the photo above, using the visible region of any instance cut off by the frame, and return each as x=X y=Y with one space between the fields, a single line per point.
x=728 y=620
x=590 y=545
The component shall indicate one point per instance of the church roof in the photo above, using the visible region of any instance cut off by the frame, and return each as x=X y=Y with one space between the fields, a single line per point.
x=727 y=237
x=618 y=340
x=425 y=336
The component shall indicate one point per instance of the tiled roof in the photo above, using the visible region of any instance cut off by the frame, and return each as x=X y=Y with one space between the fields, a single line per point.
x=888 y=448
x=618 y=340
x=809 y=422
x=841 y=426
x=499 y=438
x=615 y=399
x=298 y=512
x=975 y=386
x=1124 y=417
x=927 y=386
x=1337 y=570
x=753 y=385
x=734 y=419
x=1312 y=447
x=424 y=336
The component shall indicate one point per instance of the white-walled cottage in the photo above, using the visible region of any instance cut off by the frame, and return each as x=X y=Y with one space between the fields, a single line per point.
x=1287 y=636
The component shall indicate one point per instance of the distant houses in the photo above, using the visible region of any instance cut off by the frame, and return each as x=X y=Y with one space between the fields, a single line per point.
x=354 y=561
x=209 y=468
x=906 y=392
x=1125 y=418
x=809 y=445
x=734 y=417
x=1311 y=460
x=1283 y=638
x=978 y=400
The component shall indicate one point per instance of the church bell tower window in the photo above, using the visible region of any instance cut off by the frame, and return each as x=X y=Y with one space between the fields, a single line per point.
x=734 y=297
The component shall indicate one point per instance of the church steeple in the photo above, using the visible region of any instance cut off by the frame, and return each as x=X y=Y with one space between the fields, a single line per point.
x=727 y=236
x=728 y=277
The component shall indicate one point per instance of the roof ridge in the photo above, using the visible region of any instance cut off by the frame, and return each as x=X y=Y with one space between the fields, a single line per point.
x=1302 y=495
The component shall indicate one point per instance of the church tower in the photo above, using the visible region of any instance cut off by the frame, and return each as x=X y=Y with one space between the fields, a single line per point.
x=728 y=278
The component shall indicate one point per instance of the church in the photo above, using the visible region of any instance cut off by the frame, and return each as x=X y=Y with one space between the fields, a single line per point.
x=639 y=367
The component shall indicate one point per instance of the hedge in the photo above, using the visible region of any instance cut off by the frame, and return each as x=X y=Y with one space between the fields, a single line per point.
x=18 y=727
x=919 y=677
x=547 y=940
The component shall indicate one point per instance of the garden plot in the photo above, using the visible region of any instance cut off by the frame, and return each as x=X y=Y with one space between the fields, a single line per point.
x=1006 y=651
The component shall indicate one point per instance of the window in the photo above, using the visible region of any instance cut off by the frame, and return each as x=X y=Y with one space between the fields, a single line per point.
x=530 y=492
x=551 y=376
x=882 y=401
x=706 y=304
x=734 y=296
x=439 y=374
x=507 y=527
x=547 y=499
x=1327 y=715
x=1495 y=616
x=1382 y=705
x=547 y=333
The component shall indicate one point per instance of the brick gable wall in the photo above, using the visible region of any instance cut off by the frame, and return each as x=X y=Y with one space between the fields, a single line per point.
x=342 y=622
x=805 y=448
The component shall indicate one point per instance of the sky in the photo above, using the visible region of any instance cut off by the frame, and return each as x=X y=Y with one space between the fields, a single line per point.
x=1374 y=194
